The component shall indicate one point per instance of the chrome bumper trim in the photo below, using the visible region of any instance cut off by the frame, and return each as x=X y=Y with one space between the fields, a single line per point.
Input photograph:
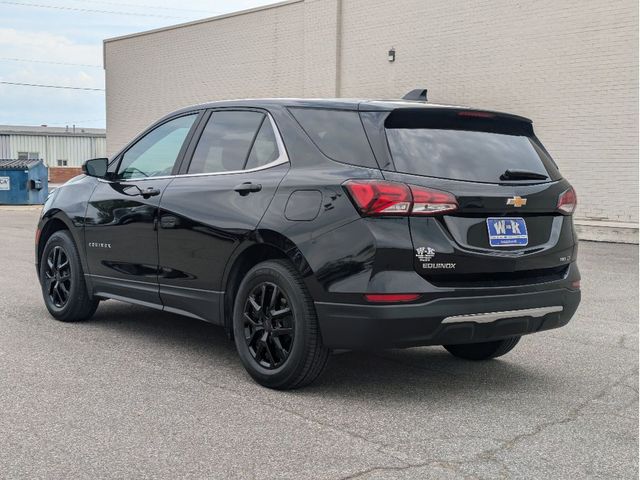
x=493 y=316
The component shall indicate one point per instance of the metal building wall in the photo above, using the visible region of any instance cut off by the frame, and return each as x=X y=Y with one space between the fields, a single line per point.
x=74 y=149
x=5 y=149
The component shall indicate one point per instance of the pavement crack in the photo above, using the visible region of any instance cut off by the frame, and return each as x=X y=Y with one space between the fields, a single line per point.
x=571 y=416
x=379 y=469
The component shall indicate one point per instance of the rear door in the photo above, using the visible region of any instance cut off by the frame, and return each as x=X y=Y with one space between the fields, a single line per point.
x=508 y=227
x=229 y=177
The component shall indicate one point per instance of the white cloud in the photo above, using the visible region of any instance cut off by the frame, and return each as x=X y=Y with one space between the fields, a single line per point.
x=34 y=105
x=47 y=46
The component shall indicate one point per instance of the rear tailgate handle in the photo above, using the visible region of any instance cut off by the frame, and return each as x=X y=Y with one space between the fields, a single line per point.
x=247 y=187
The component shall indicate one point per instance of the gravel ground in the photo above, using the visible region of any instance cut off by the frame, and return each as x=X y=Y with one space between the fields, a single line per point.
x=136 y=393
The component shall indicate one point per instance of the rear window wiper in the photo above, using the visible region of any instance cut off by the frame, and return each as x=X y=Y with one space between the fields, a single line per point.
x=510 y=174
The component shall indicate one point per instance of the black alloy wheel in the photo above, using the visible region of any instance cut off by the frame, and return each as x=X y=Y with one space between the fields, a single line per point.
x=62 y=279
x=58 y=276
x=269 y=327
x=275 y=327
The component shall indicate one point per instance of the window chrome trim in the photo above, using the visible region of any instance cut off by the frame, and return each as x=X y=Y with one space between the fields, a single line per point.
x=283 y=158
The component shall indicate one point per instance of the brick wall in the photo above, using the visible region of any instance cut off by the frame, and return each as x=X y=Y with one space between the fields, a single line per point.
x=571 y=66
x=62 y=174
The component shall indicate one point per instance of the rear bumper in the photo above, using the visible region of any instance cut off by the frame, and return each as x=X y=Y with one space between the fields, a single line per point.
x=443 y=321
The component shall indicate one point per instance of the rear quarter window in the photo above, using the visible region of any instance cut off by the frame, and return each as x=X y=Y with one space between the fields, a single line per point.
x=338 y=134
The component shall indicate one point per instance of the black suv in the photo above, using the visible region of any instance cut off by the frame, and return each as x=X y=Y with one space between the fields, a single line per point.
x=303 y=226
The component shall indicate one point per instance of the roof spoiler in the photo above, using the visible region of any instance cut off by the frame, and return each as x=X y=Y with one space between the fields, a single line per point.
x=419 y=94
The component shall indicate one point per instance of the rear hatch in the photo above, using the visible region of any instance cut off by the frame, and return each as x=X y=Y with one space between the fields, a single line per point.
x=512 y=222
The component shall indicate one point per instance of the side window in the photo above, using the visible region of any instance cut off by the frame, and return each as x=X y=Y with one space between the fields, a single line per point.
x=155 y=154
x=265 y=147
x=338 y=134
x=225 y=143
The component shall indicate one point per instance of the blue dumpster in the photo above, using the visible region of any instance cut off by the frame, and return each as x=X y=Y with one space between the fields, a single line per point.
x=23 y=182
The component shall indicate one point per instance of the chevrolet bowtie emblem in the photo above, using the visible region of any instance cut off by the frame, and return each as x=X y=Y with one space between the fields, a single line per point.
x=517 y=201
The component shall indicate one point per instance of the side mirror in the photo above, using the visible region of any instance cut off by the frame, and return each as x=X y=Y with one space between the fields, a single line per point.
x=96 y=167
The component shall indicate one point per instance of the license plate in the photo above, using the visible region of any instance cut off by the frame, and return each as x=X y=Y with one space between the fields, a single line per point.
x=507 y=232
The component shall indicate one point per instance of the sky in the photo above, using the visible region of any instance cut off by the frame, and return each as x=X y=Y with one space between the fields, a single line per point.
x=59 y=43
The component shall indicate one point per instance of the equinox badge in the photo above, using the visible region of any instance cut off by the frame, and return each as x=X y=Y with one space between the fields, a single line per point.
x=517 y=201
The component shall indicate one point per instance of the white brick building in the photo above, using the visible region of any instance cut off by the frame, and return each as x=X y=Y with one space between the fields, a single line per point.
x=571 y=66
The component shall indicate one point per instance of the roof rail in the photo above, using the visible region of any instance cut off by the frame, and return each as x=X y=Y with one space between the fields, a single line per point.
x=419 y=94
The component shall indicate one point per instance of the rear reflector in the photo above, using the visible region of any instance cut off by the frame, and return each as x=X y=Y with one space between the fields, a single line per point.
x=568 y=201
x=391 y=297
x=575 y=284
x=381 y=198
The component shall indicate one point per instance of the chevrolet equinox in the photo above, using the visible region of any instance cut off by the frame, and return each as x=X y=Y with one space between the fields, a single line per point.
x=306 y=226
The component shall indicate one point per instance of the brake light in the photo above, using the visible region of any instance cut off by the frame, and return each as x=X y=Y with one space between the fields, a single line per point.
x=568 y=201
x=429 y=202
x=391 y=297
x=381 y=198
x=476 y=114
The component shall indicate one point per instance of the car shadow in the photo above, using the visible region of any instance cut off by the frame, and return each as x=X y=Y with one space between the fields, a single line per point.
x=399 y=373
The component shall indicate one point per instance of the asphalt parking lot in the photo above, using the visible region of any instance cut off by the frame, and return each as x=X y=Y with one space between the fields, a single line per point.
x=136 y=393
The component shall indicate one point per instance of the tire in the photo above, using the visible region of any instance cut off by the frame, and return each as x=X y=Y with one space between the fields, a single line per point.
x=60 y=265
x=483 y=351
x=282 y=351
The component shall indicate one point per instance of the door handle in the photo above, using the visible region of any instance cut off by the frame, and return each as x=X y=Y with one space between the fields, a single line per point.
x=146 y=193
x=169 y=221
x=247 y=187
x=150 y=192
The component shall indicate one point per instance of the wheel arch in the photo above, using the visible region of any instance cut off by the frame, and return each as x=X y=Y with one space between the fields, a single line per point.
x=268 y=245
x=52 y=223
x=51 y=226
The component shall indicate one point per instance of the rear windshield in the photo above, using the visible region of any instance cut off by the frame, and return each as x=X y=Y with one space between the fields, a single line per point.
x=475 y=154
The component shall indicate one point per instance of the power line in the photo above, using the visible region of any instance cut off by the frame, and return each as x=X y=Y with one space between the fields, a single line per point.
x=6 y=59
x=41 y=121
x=69 y=122
x=85 y=10
x=120 y=4
x=64 y=87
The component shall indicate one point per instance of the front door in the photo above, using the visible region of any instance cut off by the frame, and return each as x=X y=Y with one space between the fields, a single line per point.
x=120 y=225
x=227 y=184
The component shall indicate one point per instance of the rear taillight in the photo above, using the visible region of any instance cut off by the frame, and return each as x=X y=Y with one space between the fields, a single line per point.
x=430 y=202
x=381 y=198
x=567 y=201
